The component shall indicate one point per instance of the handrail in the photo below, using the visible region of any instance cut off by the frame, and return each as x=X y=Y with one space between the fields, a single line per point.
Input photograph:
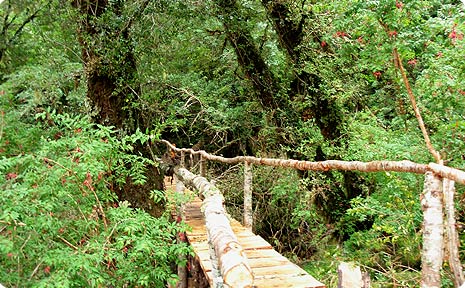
x=228 y=253
x=372 y=166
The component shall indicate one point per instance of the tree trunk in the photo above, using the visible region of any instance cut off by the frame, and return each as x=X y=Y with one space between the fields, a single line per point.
x=452 y=237
x=112 y=85
x=291 y=33
x=248 y=55
x=248 y=210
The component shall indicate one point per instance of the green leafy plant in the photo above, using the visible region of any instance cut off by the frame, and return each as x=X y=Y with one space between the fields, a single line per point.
x=60 y=222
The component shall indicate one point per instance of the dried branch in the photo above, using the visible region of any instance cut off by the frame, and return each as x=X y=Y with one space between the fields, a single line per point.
x=68 y=243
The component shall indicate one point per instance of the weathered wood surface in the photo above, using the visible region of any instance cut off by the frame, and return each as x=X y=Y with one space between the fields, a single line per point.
x=225 y=250
x=270 y=268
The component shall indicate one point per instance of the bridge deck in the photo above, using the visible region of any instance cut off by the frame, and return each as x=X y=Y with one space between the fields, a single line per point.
x=270 y=268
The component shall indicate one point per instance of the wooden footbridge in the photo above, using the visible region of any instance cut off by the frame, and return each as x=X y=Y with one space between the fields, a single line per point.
x=230 y=255
x=268 y=267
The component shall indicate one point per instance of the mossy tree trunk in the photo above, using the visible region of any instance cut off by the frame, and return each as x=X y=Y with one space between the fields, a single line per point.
x=112 y=83
x=292 y=32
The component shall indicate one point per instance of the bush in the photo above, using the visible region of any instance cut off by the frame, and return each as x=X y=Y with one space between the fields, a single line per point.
x=60 y=222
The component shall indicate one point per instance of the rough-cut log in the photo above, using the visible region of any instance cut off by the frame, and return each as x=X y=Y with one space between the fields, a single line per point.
x=233 y=263
x=433 y=232
x=373 y=166
x=452 y=243
x=448 y=172
x=248 y=211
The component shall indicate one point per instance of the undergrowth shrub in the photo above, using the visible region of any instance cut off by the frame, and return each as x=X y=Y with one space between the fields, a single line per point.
x=60 y=222
x=283 y=210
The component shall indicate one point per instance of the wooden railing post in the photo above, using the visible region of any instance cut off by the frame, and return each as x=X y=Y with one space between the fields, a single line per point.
x=203 y=166
x=183 y=159
x=248 y=210
x=433 y=232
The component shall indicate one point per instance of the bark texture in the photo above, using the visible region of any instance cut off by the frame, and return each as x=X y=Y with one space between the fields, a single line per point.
x=232 y=262
x=433 y=232
x=349 y=276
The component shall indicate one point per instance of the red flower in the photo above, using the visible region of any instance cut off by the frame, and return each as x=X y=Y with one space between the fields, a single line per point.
x=392 y=34
x=412 y=62
x=88 y=182
x=10 y=176
x=47 y=270
x=323 y=44
x=377 y=74
x=399 y=5
x=341 y=34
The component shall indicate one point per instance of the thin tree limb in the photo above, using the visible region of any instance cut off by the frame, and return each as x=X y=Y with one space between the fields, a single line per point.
x=399 y=65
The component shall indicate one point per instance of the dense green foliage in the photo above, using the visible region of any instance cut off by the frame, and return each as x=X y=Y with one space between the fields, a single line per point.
x=61 y=223
x=311 y=80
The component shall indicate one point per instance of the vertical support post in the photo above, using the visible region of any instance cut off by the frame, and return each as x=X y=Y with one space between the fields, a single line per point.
x=248 y=210
x=433 y=232
x=203 y=166
x=349 y=276
x=452 y=243
x=182 y=269
x=183 y=159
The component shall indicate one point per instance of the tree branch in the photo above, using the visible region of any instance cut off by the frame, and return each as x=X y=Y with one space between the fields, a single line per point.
x=399 y=65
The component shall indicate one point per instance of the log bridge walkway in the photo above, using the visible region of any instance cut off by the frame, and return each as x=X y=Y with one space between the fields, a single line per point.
x=230 y=255
x=269 y=268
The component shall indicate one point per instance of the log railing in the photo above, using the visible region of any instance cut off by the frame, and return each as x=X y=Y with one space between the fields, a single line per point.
x=439 y=179
x=230 y=265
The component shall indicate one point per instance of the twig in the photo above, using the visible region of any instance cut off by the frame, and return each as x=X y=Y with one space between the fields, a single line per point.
x=68 y=243
x=35 y=270
x=399 y=65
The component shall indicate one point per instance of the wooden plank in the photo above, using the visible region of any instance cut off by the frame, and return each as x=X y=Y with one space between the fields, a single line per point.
x=262 y=253
x=267 y=262
x=289 y=269
x=305 y=281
